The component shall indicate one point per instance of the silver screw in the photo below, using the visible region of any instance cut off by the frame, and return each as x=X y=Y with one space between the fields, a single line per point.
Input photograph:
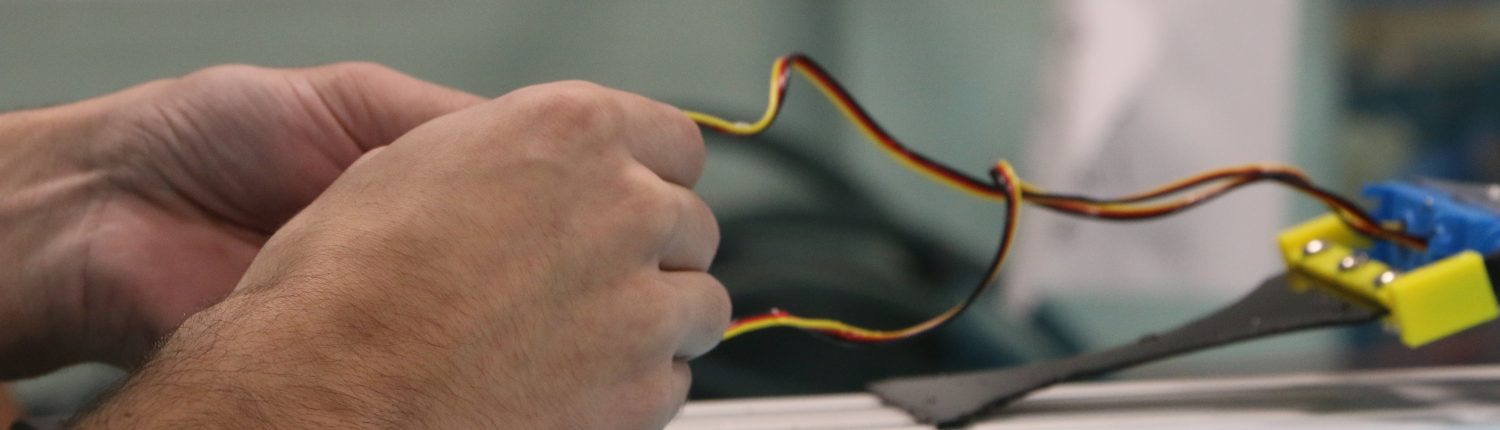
x=1385 y=278
x=1313 y=247
x=1350 y=262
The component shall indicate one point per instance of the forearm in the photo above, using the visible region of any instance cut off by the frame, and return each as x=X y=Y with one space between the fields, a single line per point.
x=250 y=360
x=43 y=203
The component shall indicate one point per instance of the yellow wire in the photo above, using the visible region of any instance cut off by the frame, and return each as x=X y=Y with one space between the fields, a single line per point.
x=1033 y=189
x=775 y=100
x=829 y=325
x=1016 y=189
x=773 y=103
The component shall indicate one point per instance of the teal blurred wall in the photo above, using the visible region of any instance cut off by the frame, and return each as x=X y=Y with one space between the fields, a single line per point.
x=955 y=78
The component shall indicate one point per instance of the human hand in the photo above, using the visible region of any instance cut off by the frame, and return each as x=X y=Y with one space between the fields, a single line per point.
x=537 y=261
x=129 y=212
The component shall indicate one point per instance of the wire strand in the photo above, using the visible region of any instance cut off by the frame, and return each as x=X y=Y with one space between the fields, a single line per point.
x=1005 y=179
x=1006 y=187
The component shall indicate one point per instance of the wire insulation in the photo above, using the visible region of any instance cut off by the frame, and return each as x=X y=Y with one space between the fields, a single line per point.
x=1005 y=178
x=1006 y=187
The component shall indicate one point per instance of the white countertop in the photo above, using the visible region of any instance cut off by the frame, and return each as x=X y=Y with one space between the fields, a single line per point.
x=1448 y=397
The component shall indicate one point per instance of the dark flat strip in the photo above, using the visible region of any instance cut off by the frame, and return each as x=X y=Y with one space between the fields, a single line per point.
x=1273 y=308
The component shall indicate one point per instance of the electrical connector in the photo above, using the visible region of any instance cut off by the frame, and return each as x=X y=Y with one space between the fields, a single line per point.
x=1430 y=293
x=1453 y=217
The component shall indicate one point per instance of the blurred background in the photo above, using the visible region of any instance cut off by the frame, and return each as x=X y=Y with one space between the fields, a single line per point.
x=1096 y=97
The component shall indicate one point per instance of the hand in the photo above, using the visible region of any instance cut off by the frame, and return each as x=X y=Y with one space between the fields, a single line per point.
x=129 y=212
x=537 y=261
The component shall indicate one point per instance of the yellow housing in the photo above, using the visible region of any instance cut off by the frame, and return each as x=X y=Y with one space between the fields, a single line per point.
x=1426 y=304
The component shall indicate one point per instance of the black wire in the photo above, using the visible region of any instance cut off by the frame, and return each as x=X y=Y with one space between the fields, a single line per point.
x=985 y=284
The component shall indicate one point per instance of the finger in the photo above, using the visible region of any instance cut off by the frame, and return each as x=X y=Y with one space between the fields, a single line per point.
x=657 y=135
x=376 y=104
x=655 y=398
x=682 y=382
x=694 y=238
x=702 y=311
x=671 y=145
x=662 y=137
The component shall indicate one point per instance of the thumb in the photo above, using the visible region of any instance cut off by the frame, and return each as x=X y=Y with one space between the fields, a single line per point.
x=376 y=104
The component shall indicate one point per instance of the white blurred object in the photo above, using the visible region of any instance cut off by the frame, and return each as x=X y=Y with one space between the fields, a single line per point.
x=1142 y=92
x=1452 y=397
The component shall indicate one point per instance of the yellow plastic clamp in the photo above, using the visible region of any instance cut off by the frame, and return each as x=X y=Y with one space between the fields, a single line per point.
x=1425 y=304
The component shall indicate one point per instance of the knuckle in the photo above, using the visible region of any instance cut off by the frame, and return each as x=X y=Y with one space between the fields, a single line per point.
x=652 y=202
x=564 y=108
x=352 y=77
x=653 y=210
x=638 y=189
x=227 y=72
x=360 y=70
x=680 y=136
x=720 y=306
x=706 y=215
x=642 y=219
x=364 y=75
x=687 y=133
x=575 y=85
x=567 y=98
x=669 y=393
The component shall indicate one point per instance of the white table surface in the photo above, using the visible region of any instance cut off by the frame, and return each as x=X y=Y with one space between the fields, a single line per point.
x=1465 y=397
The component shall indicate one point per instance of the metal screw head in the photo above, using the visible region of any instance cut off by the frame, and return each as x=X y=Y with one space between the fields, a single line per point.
x=1313 y=247
x=1384 y=278
x=1350 y=262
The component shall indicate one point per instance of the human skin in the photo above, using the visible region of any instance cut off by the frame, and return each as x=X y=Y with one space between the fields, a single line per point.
x=9 y=411
x=534 y=261
x=122 y=215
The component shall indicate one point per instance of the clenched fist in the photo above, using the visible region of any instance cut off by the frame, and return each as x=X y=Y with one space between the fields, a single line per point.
x=535 y=261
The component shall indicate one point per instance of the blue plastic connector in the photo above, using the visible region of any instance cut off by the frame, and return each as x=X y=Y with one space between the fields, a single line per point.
x=1453 y=217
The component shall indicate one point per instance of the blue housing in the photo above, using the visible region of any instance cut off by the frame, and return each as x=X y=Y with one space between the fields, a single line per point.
x=1453 y=217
